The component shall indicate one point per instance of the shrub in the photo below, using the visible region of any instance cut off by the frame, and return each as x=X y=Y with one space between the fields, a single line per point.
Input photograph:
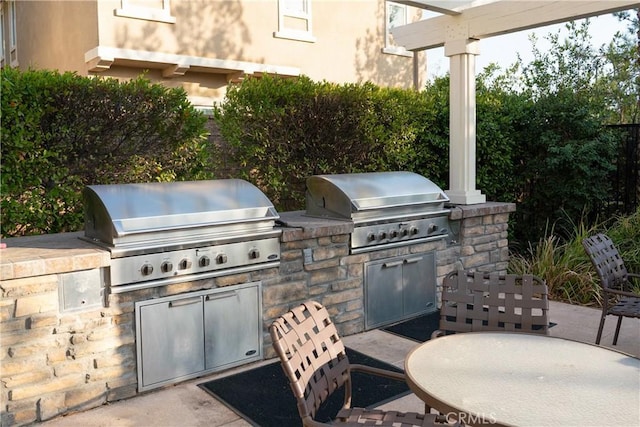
x=565 y=266
x=564 y=158
x=281 y=131
x=61 y=132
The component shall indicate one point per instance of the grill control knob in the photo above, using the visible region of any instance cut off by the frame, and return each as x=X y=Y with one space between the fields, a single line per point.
x=184 y=264
x=371 y=237
x=382 y=235
x=405 y=232
x=221 y=259
x=432 y=228
x=413 y=231
x=146 y=269
x=166 y=266
x=393 y=234
x=204 y=261
x=254 y=254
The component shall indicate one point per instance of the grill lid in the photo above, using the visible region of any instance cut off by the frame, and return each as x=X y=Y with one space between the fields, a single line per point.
x=126 y=214
x=376 y=195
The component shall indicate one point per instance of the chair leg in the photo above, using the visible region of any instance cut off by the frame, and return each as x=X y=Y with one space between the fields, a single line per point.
x=615 y=337
x=600 y=328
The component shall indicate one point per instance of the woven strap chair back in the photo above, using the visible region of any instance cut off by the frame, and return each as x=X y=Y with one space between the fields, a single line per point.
x=478 y=301
x=312 y=355
x=607 y=261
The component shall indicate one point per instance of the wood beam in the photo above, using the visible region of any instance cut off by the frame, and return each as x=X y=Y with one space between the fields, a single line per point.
x=429 y=5
x=501 y=17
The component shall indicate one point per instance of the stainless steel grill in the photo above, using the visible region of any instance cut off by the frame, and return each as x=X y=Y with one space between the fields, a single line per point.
x=158 y=233
x=387 y=208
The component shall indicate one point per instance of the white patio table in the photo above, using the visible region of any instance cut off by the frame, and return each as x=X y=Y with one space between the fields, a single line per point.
x=519 y=379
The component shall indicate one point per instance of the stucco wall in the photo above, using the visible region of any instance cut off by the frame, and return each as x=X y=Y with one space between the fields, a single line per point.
x=349 y=39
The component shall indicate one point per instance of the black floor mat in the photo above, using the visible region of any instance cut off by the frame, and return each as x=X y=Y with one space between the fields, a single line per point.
x=263 y=397
x=420 y=328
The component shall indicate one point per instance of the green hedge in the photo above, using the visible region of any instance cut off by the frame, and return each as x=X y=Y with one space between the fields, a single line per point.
x=550 y=155
x=61 y=132
x=280 y=131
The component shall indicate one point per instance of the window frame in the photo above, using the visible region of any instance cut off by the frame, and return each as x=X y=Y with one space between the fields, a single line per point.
x=2 y=36
x=9 y=30
x=389 y=46
x=159 y=14
x=291 y=33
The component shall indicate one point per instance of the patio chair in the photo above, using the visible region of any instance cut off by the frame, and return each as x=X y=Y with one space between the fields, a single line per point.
x=479 y=301
x=617 y=299
x=314 y=360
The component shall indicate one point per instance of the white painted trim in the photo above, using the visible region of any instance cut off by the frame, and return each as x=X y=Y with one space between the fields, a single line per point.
x=438 y=7
x=13 y=34
x=302 y=36
x=102 y=58
x=295 y=34
x=146 y=13
x=396 y=50
x=500 y=17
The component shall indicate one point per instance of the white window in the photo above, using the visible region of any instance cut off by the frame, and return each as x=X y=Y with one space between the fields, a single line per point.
x=294 y=20
x=150 y=10
x=2 y=36
x=396 y=16
x=8 y=34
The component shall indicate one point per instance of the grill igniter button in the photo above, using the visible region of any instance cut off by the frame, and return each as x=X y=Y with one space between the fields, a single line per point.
x=221 y=259
x=146 y=269
x=204 y=261
x=166 y=266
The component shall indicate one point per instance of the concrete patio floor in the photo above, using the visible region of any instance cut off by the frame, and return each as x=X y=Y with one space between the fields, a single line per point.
x=186 y=405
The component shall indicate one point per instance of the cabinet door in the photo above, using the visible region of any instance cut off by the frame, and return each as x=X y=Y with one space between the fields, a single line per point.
x=419 y=284
x=232 y=326
x=170 y=340
x=383 y=292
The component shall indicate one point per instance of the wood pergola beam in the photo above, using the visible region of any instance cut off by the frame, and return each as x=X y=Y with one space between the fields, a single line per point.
x=500 y=17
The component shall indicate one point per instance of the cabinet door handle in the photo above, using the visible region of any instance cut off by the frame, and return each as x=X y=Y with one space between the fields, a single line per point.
x=184 y=301
x=220 y=295
x=391 y=264
x=412 y=260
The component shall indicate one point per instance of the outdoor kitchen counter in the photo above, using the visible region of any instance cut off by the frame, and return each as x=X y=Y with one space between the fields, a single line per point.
x=300 y=226
x=49 y=254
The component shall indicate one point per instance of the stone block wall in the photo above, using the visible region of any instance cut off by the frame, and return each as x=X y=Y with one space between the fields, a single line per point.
x=54 y=362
